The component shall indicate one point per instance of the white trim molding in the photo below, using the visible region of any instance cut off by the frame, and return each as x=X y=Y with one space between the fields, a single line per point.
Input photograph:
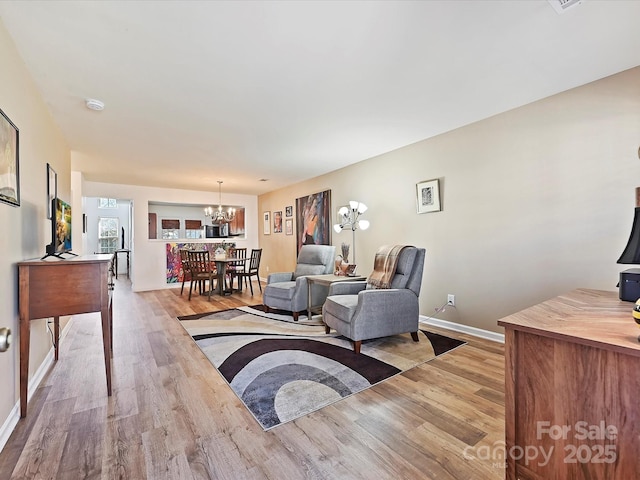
x=457 y=327
x=14 y=416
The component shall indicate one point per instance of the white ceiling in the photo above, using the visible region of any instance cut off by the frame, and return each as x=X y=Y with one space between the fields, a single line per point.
x=198 y=91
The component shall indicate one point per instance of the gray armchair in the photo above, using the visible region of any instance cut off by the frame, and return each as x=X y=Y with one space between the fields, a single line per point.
x=289 y=291
x=360 y=313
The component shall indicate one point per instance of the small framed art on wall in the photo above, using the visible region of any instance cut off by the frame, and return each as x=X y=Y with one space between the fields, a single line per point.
x=428 y=196
x=9 y=161
x=266 y=216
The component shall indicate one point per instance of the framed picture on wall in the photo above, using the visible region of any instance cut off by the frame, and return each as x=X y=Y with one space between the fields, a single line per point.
x=428 y=196
x=52 y=188
x=9 y=162
x=266 y=216
x=313 y=219
x=288 y=211
x=288 y=226
x=277 y=222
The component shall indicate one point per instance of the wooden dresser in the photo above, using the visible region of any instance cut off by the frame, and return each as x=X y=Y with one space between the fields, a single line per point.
x=573 y=389
x=53 y=288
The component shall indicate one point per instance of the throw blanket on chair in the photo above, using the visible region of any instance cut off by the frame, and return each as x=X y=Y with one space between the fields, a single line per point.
x=384 y=266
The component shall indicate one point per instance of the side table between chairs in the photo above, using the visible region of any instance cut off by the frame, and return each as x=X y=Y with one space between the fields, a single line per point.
x=325 y=280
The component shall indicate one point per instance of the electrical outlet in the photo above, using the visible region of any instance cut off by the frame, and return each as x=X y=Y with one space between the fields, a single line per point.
x=451 y=300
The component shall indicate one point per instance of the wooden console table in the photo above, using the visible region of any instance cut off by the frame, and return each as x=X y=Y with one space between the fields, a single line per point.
x=53 y=288
x=573 y=389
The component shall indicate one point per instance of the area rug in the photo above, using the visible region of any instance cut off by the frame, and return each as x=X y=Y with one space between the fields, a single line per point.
x=282 y=370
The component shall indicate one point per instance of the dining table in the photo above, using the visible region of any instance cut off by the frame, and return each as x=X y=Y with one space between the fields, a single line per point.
x=222 y=264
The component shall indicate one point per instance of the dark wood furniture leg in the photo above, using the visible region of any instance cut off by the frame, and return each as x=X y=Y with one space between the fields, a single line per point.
x=106 y=344
x=128 y=265
x=111 y=328
x=25 y=335
x=56 y=337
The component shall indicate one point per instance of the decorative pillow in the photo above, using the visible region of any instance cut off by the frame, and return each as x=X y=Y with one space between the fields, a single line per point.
x=306 y=269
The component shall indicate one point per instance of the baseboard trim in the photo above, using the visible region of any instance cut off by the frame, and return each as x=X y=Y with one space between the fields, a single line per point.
x=457 y=327
x=9 y=425
x=14 y=416
x=34 y=383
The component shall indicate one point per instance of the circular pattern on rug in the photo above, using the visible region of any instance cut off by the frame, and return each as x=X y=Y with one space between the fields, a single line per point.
x=302 y=395
x=279 y=379
x=272 y=374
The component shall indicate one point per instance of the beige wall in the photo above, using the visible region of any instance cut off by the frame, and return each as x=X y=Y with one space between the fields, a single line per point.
x=26 y=229
x=536 y=201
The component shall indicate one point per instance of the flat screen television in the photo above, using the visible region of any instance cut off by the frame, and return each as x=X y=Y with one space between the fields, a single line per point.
x=60 y=229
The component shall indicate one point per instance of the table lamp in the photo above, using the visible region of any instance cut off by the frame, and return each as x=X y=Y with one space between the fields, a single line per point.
x=629 y=285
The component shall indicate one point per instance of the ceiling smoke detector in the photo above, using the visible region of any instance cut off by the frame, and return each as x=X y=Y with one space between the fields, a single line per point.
x=93 y=104
x=561 y=6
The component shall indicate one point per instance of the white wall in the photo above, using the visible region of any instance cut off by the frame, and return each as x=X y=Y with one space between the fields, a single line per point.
x=148 y=257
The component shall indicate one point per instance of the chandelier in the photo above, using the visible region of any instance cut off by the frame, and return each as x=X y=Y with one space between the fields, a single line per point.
x=220 y=216
x=350 y=218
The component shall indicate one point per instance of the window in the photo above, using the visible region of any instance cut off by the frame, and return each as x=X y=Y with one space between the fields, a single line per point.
x=107 y=203
x=108 y=234
x=170 y=229
x=193 y=228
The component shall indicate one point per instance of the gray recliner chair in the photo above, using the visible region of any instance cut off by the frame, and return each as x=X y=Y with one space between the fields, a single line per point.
x=289 y=291
x=361 y=313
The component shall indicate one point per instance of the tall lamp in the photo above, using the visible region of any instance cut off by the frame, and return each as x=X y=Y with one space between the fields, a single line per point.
x=350 y=218
x=629 y=286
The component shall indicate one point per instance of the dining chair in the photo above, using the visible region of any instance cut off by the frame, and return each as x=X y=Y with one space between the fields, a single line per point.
x=237 y=266
x=186 y=271
x=251 y=270
x=201 y=269
x=184 y=262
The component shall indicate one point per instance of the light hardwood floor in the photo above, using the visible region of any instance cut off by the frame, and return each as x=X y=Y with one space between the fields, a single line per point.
x=172 y=416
